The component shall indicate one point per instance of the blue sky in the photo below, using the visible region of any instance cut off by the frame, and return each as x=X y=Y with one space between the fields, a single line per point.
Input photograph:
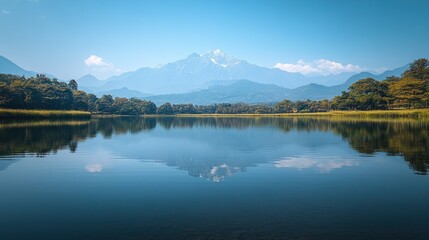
x=57 y=36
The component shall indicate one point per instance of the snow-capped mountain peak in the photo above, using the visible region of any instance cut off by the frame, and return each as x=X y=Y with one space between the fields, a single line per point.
x=220 y=58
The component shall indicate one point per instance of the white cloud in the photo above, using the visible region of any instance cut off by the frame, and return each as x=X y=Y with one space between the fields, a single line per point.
x=94 y=168
x=5 y=11
x=98 y=64
x=318 y=67
x=95 y=60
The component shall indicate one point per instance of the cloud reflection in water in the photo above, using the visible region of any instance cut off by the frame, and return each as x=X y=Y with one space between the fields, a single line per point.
x=94 y=168
x=325 y=164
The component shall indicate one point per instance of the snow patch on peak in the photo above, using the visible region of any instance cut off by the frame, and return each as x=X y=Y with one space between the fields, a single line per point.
x=218 y=52
x=220 y=58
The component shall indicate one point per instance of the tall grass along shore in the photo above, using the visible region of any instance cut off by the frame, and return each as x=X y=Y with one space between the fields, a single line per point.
x=42 y=114
x=375 y=114
x=399 y=113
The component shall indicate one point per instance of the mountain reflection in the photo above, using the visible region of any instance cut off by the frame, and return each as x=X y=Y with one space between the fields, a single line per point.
x=406 y=138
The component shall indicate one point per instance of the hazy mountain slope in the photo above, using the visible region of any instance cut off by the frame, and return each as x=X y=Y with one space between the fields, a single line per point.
x=7 y=66
x=248 y=92
x=89 y=81
x=239 y=91
x=123 y=92
x=233 y=91
x=395 y=72
x=331 y=79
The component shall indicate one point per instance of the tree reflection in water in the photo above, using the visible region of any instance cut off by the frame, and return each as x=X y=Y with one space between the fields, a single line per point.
x=406 y=138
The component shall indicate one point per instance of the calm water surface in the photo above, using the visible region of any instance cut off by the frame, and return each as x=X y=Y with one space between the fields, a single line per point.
x=214 y=178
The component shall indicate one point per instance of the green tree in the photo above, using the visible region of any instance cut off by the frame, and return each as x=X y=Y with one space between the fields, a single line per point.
x=419 y=69
x=343 y=102
x=166 y=109
x=285 y=106
x=183 y=108
x=92 y=101
x=80 y=100
x=147 y=107
x=369 y=94
x=73 y=85
x=261 y=109
x=104 y=104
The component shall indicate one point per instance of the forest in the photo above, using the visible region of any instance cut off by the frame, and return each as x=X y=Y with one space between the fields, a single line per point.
x=409 y=91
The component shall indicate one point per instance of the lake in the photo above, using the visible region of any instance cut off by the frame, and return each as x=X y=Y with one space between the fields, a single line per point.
x=214 y=178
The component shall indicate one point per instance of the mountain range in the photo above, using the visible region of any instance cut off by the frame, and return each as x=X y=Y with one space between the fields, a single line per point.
x=193 y=72
x=215 y=77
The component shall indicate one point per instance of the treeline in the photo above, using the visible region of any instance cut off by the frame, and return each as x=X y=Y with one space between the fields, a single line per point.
x=411 y=90
x=41 y=92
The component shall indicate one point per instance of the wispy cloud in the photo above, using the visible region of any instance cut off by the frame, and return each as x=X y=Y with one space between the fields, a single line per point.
x=5 y=11
x=318 y=67
x=99 y=64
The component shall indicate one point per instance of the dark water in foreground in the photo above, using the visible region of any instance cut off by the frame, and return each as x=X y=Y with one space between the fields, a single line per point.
x=208 y=178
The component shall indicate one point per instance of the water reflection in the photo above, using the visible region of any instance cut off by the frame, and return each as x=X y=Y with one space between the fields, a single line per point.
x=405 y=138
x=94 y=168
x=324 y=164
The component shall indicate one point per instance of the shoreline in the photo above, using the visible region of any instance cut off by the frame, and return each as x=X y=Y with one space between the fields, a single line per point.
x=399 y=113
x=73 y=114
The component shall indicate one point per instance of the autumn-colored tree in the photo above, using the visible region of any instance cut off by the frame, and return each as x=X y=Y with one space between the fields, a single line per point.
x=409 y=93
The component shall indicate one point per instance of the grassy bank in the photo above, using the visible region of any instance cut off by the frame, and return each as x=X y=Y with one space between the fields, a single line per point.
x=400 y=113
x=376 y=114
x=42 y=114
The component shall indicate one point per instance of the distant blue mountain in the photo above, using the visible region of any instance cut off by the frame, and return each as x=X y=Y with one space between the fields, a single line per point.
x=123 y=92
x=248 y=92
x=235 y=91
x=395 y=72
x=7 y=66
x=239 y=91
x=196 y=70
x=89 y=81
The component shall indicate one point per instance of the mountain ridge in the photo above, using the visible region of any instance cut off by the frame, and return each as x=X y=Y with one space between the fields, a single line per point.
x=9 y=67
x=214 y=61
x=191 y=73
x=312 y=91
